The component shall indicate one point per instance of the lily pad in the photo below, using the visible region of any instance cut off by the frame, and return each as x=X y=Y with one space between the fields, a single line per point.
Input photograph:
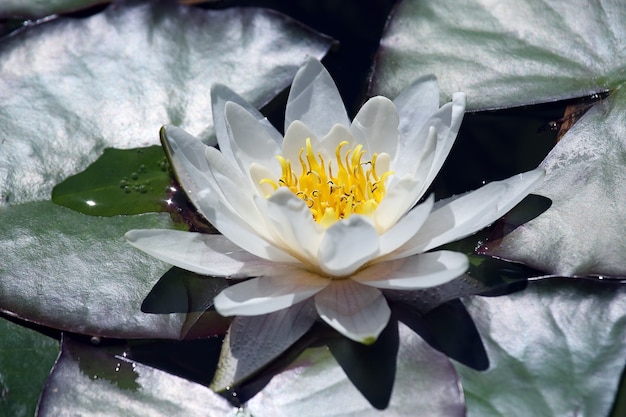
x=33 y=9
x=556 y=330
x=130 y=181
x=100 y=380
x=584 y=232
x=75 y=272
x=507 y=53
x=71 y=87
x=26 y=358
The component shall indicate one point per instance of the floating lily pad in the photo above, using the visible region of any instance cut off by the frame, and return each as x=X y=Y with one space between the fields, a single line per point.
x=556 y=349
x=26 y=358
x=75 y=272
x=584 y=232
x=89 y=379
x=72 y=87
x=507 y=53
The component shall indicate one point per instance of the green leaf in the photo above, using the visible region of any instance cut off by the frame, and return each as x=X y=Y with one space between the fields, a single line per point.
x=75 y=272
x=26 y=358
x=507 y=53
x=129 y=181
x=584 y=231
x=556 y=349
x=72 y=87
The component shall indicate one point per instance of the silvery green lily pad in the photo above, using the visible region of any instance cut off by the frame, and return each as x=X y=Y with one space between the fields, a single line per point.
x=556 y=349
x=584 y=232
x=507 y=53
x=32 y=9
x=71 y=87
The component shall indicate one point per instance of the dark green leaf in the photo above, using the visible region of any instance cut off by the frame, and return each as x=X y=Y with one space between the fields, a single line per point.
x=26 y=358
x=129 y=181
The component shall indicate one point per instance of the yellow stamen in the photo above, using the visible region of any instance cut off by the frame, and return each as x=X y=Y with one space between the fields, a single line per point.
x=356 y=187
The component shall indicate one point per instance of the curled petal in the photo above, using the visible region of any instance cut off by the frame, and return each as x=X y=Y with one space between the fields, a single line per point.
x=198 y=252
x=347 y=245
x=416 y=272
x=250 y=142
x=416 y=104
x=282 y=288
x=315 y=100
x=220 y=95
x=356 y=311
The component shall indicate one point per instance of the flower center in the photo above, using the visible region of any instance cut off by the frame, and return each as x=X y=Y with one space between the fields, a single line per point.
x=355 y=187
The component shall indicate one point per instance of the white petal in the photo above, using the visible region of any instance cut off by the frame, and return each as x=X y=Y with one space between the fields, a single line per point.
x=347 y=245
x=293 y=221
x=471 y=212
x=356 y=311
x=415 y=105
x=315 y=100
x=446 y=121
x=283 y=288
x=397 y=200
x=415 y=272
x=198 y=252
x=295 y=139
x=236 y=191
x=220 y=95
x=406 y=228
x=187 y=155
x=250 y=141
x=447 y=125
x=376 y=126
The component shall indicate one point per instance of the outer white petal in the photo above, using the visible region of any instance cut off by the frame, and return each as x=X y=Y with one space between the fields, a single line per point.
x=415 y=272
x=283 y=288
x=235 y=190
x=406 y=228
x=198 y=252
x=356 y=311
x=220 y=95
x=347 y=245
x=470 y=212
x=314 y=100
x=415 y=105
x=376 y=126
x=192 y=169
x=293 y=222
x=250 y=141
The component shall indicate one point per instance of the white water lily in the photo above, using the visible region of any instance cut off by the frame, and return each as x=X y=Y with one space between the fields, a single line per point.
x=329 y=211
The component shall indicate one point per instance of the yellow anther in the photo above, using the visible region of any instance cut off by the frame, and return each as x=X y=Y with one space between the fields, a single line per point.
x=356 y=187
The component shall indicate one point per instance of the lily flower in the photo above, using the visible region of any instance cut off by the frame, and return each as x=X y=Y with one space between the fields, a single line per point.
x=330 y=211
